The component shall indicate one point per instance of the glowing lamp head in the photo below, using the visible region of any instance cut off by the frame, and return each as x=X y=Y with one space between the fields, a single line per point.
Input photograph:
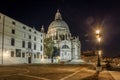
x=97 y=31
x=100 y=52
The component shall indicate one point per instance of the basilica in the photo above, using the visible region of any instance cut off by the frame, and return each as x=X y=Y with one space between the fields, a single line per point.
x=69 y=46
x=21 y=44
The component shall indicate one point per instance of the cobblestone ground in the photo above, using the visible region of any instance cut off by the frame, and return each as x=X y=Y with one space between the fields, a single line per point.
x=51 y=72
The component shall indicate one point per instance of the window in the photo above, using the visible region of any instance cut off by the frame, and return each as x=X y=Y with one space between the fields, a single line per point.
x=23 y=54
x=41 y=48
x=34 y=55
x=18 y=52
x=13 y=31
x=38 y=55
x=65 y=47
x=65 y=53
x=35 y=38
x=13 y=23
x=41 y=56
x=24 y=35
x=35 y=32
x=41 y=35
x=24 y=27
x=62 y=54
x=23 y=44
x=29 y=36
x=12 y=53
x=34 y=46
x=30 y=30
x=41 y=40
x=29 y=45
x=12 y=41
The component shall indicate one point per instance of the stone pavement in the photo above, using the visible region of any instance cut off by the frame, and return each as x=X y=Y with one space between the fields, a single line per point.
x=115 y=74
x=55 y=72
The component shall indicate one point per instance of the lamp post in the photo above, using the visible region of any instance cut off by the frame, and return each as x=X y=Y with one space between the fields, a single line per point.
x=98 y=37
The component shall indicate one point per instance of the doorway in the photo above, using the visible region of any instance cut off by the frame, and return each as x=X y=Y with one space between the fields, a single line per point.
x=29 y=59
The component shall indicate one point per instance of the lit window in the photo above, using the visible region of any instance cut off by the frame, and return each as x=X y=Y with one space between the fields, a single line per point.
x=12 y=41
x=12 y=53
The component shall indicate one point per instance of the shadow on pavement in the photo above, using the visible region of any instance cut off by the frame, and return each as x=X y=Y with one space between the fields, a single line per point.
x=93 y=77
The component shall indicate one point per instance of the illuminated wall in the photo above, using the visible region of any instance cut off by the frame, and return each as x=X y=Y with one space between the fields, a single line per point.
x=16 y=37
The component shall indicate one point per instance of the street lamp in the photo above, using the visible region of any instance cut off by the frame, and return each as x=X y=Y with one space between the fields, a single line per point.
x=98 y=37
x=98 y=31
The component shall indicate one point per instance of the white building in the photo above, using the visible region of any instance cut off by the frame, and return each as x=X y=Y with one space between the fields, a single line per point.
x=70 y=47
x=19 y=43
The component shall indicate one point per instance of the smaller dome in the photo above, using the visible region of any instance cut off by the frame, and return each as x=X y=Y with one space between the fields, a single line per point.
x=58 y=15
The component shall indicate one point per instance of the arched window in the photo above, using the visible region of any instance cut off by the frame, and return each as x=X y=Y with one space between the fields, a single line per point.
x=12 y=41
x=65 y=46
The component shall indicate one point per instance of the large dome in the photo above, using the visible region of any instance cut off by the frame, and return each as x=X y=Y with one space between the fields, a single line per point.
x=58 y=23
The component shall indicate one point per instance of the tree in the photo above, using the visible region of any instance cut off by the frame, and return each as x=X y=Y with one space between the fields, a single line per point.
x=56 y=51
x=48 y=47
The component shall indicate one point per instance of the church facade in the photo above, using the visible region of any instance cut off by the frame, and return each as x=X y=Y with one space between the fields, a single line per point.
x=68 y=45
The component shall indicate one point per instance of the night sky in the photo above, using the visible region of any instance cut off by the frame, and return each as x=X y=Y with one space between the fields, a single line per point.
x=82 y=16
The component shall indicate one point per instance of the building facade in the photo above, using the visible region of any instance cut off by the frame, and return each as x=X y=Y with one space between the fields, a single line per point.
x=19 y=43
x=68 y=45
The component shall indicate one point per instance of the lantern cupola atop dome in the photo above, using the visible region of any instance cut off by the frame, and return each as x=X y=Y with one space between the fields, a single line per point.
x=58 y=15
